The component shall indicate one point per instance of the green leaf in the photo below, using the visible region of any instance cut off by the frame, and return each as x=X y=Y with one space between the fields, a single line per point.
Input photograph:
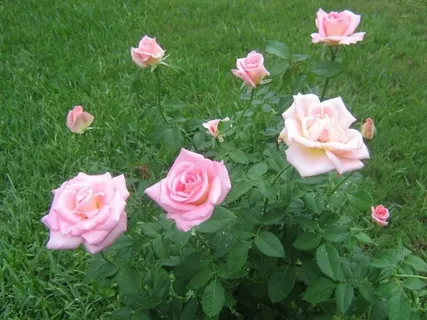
x=337 y=233
x=367 y=291
x=213 y=298
x=417 y=263
x=319 y=291
x=238 y=256
x=281 y=282
x=129 y=280
x=278 y=49
x=364 y=238
x=269 y=244
x=307 y=241
x=239 y=189
x=399 y=306
x=379 y=310
x=220 y=219
x=361 y=200
x=299 y=57
x=239 y=156
x=173 y=137
x=414 y=283
x=298 y=83
x=189 y=312
x=329 y=261
x=200 y=279
x=257 y=171
x=312 y=202
x=344 y=293
x=174 y=103
x=279 y=68
x=327 y=69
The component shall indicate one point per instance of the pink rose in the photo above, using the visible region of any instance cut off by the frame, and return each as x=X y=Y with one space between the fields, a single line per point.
x=368 y=129
x=212 y=126
x=88 y=210
x=337 y=28
x=251 y=69
x=148 y=53
x=380 y=215
x=319 y=136
x=78 y=120
x=191 y=190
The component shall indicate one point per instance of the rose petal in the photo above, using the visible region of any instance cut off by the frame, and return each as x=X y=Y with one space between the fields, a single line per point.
x=120 y=185
x=352 y=19
x=344 y=164
x=308 y=162
x=60 y=241
x=186 y=221
x=344 y=116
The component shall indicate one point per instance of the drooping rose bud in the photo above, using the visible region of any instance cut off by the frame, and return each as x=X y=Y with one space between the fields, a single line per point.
x=79 y=120
x=148 y=53
x=251 y=69
x=368 y=129
x=212 y=126
x=380 y=215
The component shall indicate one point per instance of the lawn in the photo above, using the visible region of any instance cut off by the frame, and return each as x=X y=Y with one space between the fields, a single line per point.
x=57 y=54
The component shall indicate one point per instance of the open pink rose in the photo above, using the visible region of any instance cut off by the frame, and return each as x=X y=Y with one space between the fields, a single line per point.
x=192 y=188
x=78 y=120
x=212 y=126
x=319 y=136
x=368 y=129
x=337 y=28
x=88 y=210
x=380 y=215
x=251 y=69
x=148 y=53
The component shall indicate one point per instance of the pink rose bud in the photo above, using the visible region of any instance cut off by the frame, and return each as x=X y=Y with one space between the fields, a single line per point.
x=319 y=136
x=337 y=28
x=148 y=53
x=192 y=188
x=251 y=69
x=380 y=215
x=212 y=126
x=368 y=129
x=88 y=210
x=79 y=120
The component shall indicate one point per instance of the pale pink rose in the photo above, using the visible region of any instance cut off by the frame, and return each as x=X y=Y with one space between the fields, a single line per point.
x=380 y=215
x=319 y=136
x=88 y=210
x=337 y=28
x=192 y=188
x=79 y=120
x=148 y=53
x=368 y=129
x=251 y=69
x=212 y=126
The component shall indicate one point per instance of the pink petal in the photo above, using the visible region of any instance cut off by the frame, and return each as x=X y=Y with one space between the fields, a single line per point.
x=344 y=116
x=120 y=185
x=307 y=161
x=344 y=164
x=215 y=191
x=353 y=21
x=320 y=18
x=60 y=241
x=353 y=38
x=188 y=220
x=51 y=220
x=136 y=57
x=186 y=156
x=95 y=237
x=225 y=182
x=244 y=76
x=111 y=238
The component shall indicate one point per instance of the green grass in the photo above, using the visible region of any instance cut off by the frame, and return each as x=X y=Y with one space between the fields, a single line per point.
x=57 y=54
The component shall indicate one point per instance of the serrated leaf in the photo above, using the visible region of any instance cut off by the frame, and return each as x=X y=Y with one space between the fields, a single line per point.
x=311 y=201
x=200 y=279
x=257 y=171
x=399 y=306
x=414 y=283
x=239 y=156
x=329 y=261
x=269 y=244
x=279 y=68
x=361 y=200
x=238 y=255
x=417 y=263
x=281 y=282
x=337 y=233
x=239 y=189
x=189 y=312
x=344 y=293
x=277 y=48
x=221 y=218
x=379 y=310
x=307 y=241
x=319 y=291
x=213 y=298
x=327 y=69
x=173 y=137
x=364 y=238
x=367 y=291
x=129 y=280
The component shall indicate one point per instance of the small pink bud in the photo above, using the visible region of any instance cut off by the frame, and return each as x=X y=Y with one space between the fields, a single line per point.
x=380 y=215
x=79 y=120
x=368 y=129
x=212 y=126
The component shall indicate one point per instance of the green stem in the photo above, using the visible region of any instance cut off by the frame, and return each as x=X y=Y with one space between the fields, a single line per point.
x=247 y=107
x=159 y=95
x=341 y=182
x=274 y=181
x=410 y=276
x=333 y=57
x=189 y=138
